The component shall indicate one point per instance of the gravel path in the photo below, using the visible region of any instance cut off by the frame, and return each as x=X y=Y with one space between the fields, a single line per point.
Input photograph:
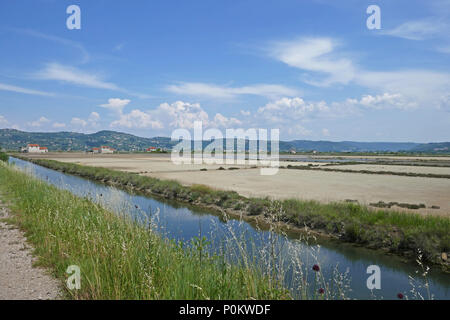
x=19 y=280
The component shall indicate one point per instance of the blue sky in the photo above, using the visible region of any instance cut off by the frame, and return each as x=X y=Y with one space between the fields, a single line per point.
x=310 y=68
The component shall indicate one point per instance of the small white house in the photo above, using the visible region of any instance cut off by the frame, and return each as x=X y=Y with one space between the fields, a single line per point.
x=35 y=148
x=151 y=149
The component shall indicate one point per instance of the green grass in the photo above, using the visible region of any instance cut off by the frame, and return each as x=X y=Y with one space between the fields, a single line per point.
x=399 y=232
x=119 y=258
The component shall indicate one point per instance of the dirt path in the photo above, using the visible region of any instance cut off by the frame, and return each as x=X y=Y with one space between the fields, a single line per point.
x=19 y=280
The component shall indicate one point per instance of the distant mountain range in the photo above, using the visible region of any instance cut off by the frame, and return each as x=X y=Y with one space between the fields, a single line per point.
x=13 y=140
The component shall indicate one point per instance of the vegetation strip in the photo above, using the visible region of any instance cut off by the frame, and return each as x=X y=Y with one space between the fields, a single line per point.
x=119 y=258
x=402 y=233
x=413 y=163
x=394 y=173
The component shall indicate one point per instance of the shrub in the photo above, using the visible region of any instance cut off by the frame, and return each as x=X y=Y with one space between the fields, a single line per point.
x=255 y=208
x=4 y=157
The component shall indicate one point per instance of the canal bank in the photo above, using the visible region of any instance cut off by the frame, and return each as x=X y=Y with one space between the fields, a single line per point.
x=395 y=232
x=179 y=222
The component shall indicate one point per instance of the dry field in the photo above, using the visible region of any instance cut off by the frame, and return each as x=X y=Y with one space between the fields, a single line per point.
x=381 y=157
x=394 y=168
x=141 y=163
x=301 y=184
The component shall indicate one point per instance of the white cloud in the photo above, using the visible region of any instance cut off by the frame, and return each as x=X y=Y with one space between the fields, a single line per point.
x=181 y=114
x=423 y=88
x=3 y=121
x=40 y=122
x=7 y=87
x=418 y=29
x=78 y=122
x=313 y=54
x=58 y=125
x=296 y=130
x=59 y=72
x=175 y=115
x=296 y=109
x=90 y=123
x=224 y=92
x=94 y=117
x=137 y=119
x=225 y=122
x=56 y=71
x=386 y=100
x=292 y=114
x=116 y=104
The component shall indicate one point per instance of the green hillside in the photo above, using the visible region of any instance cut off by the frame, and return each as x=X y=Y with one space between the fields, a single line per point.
x=13 y=140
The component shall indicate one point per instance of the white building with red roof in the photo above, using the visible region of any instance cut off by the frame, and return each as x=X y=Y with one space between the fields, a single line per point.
x=35 y=148
x=106 y=149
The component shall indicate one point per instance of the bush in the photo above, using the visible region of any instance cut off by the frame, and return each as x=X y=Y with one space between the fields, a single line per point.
x=255 y=208
x=4 y=157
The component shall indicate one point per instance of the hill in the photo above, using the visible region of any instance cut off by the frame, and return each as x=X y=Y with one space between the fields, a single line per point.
x=347 y=146
x=438 y=147
x=13 y=140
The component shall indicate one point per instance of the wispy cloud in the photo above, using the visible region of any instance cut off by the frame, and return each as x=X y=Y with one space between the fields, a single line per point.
x=68 y=74
x=56 y=71
x=314 y=54
x=119 y=47
x=85 y=57
x=3 y=121
x=8 y=87
x=418 y=29
x=225 y=92
x=444 y=49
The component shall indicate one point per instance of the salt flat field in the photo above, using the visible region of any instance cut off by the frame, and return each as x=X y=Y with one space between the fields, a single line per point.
x=288 y=183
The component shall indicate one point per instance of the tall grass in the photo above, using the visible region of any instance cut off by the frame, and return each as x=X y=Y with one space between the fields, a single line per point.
x=119 y=258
